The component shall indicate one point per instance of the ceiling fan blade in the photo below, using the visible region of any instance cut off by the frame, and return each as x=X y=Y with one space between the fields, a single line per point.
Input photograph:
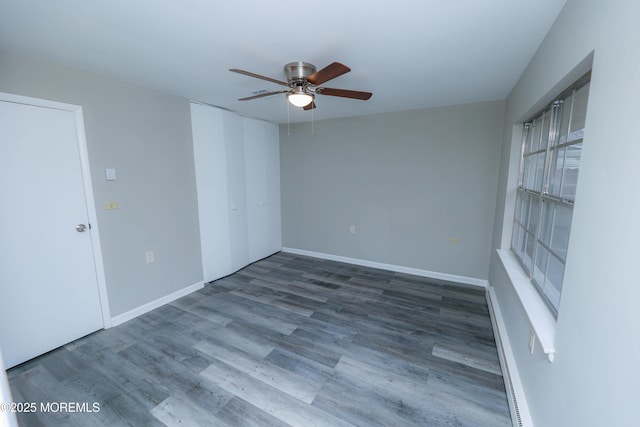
x=309 y=106
x=329 y=72
x=258 y=76
x=354 y=94
x=261 y=95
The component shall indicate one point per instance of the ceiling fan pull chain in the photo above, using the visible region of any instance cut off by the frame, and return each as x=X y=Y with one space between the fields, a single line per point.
x=288 y=118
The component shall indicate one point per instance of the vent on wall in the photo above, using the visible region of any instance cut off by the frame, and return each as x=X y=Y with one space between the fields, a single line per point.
x=515 y=394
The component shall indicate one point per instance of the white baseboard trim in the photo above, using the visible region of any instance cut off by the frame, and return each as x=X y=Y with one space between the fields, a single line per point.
x=391 y=267
x=518 y=407
x=145 y=308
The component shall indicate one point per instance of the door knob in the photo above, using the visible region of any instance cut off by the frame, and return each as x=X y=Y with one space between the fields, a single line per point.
x=81 y=228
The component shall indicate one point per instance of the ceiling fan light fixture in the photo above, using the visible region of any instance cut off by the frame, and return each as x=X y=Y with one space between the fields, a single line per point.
x=299 y=97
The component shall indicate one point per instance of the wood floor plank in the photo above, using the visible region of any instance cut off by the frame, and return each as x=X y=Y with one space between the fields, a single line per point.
x=239 y=412
x=178 y=410
x=359 y=405
x=486 y=363
x=274 y=402
x=281 y=379
x=300 y=365
x=482 y=392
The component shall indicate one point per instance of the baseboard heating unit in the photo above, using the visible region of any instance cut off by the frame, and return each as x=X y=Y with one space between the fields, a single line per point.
x=515 y=394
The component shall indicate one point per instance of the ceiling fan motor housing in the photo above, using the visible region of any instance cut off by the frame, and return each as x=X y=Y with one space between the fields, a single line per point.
x=298 y=71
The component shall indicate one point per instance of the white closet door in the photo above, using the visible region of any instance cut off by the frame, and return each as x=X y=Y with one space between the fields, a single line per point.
x=262 y=166
x=233 y=138
x=255 y=151
x=238 y=178
x=274 y=216
x=212 y=187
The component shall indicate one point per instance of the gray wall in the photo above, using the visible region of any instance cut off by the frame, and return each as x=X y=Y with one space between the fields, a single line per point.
x=146 y=136
x=408 y=181
x=594 y=378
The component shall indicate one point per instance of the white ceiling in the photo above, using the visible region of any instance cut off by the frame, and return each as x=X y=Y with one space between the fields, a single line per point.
x=410 y=53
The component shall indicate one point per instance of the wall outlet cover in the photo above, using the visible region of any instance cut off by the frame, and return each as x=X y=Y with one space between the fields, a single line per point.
x=110 y=174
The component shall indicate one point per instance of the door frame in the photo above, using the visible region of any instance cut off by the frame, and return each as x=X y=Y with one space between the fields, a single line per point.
x=87 y=185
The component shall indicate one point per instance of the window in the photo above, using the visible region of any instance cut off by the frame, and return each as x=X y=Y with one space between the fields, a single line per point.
x=551 y=150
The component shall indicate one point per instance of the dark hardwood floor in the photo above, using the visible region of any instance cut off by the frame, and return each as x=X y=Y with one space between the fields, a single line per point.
x=289 y=340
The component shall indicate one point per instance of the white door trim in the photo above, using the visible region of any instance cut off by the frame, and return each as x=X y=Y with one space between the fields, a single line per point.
x=88 y=189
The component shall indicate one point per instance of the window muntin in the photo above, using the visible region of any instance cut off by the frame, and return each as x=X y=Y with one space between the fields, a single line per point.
x=550 y=164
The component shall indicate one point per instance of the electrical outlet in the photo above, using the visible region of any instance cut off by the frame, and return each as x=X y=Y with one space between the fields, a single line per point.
x=453 y=240
x=352 y=229
x=149 y=257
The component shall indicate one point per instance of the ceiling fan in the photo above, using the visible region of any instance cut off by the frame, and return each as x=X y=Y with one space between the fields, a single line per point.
x=304 y=83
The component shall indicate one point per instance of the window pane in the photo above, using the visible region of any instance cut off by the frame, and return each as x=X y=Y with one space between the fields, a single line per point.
x=540 y=270
x=539 y=171
x=514 y=237
x=579 y=113
x=545 y=130
x=536 y=126
x=553 y=284
x=528 y=180
x=526 y=208
x=525 y=171
x=522 y=209
x=519 y=204
x=547 y=222
x=571 y=169
x=528 y=138
x=528 y=252
x=555 y=172
x=560 y=231
x=565 y=115
x=534 y=212
x=518 y=241
x=521 y=242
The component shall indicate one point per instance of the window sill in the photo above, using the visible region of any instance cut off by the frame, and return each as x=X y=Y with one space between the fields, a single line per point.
x=540 y=318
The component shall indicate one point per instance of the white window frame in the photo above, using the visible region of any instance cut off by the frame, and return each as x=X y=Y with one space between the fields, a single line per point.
x=544 y=200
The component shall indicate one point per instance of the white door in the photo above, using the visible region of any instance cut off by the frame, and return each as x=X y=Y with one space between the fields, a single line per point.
x=49 y=292
x=234 y=150
x=262 y=167
x=209 y=152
